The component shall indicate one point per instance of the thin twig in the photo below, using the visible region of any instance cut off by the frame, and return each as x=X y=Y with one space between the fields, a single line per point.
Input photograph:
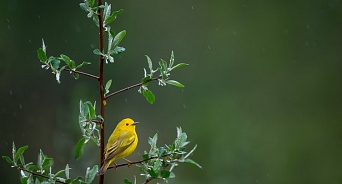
x=82 y=73
x=148 y=180
x=137 y=162
x=130 y=87
x=38 y=174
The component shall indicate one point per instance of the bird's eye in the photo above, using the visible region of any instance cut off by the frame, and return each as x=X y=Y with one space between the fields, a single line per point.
x=126 y=124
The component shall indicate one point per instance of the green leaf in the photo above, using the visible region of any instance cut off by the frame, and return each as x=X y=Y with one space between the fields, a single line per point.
x=126 y=181
x=163 y=65
x=106 y=11
x=149 y=96
x=152 y=173
x=156 y=165
x=20 y=152
x=76 y=75
x=41 y=55
x=165 y=174
x=98 y=52
x=67 y=173
x=179 y=66
x=66 y=59
x=83 y=6
x=153 y=141
x=55 y=64
x=188 y=160
x=108 y=84
x=79 y=148
x=112 y=17
x=47 y=162
x=30 y=166
x=145 y=156
x=91 y=2
x=90 y=175
x=8 y=160
x=23 y=180
x=117 y=50
x=96 y=20
x=162 y=151
x=172 y=60
x=175 y=83
x=149 y=63
x=146 y=80
x=82 y=64
x=92 y=112
x=118 y=37
x=77 y=180
x=43 y=45
x=59 y=172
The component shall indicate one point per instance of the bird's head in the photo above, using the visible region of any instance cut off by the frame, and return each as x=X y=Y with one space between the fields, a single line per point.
x=127 y=124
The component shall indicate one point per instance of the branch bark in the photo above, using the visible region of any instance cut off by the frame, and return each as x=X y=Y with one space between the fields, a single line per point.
x=38 y=174
x=82 y=73
x=101 y=88
x=131 y=87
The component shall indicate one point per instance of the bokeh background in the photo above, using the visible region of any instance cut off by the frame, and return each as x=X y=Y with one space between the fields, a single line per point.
x=262 y=101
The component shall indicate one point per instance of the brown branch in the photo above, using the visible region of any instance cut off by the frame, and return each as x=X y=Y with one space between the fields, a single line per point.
x=148 y=180
x=82 y=73
x=101 y=87
x=137 y=162
x=131 y=87
x=38 y=174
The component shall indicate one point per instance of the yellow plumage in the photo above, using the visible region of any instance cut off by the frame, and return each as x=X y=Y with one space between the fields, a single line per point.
x=121 y=143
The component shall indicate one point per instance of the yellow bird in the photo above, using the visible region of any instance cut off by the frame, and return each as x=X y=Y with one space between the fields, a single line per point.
x=121 y=143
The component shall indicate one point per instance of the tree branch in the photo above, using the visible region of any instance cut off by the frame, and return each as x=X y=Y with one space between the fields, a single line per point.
x=148 y=180
x=131 y=87
x=137 y=162
x=38 y=174
x=101 y=87
x=82 y=73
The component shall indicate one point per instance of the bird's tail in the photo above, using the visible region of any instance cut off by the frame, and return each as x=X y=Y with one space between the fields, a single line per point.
x=103 y=168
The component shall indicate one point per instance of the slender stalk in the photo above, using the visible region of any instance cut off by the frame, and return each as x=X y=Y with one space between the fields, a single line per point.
x=82 y=73
x=38 y=174
x=148 y=180
x=130 y=87
x=137 y=162
x=101 y=88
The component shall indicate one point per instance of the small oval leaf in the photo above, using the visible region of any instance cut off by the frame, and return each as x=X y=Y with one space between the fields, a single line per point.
x=79 y=148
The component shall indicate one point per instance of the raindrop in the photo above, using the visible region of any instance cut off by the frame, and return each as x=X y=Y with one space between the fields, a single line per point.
x=184 y=106
x=20 y=107
x=29 y=41
x=10 y=92
x=209 y=47
x=192 y=7
x=38 y=16
x=308 y=26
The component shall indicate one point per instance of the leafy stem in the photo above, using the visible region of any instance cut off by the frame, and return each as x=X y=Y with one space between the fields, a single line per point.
x=82 y=73
x=38 y=174
x=132 y=86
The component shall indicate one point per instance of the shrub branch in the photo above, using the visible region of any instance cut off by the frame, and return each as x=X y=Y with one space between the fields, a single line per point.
x=131 y=87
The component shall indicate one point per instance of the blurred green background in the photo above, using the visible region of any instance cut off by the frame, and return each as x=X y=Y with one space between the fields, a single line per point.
x=262 y=101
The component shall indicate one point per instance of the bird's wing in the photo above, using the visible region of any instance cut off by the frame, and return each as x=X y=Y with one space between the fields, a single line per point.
x=120 y=145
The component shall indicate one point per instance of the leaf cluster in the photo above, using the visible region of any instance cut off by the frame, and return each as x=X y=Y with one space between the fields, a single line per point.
x=41 y=172
x=56 y=63
x=159 y=162
x=164 y=70
x=90 y=126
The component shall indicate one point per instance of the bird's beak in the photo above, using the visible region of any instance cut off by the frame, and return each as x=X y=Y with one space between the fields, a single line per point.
x=135 y=123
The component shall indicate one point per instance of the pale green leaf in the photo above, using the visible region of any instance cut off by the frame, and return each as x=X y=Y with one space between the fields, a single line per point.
x=175 y=83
